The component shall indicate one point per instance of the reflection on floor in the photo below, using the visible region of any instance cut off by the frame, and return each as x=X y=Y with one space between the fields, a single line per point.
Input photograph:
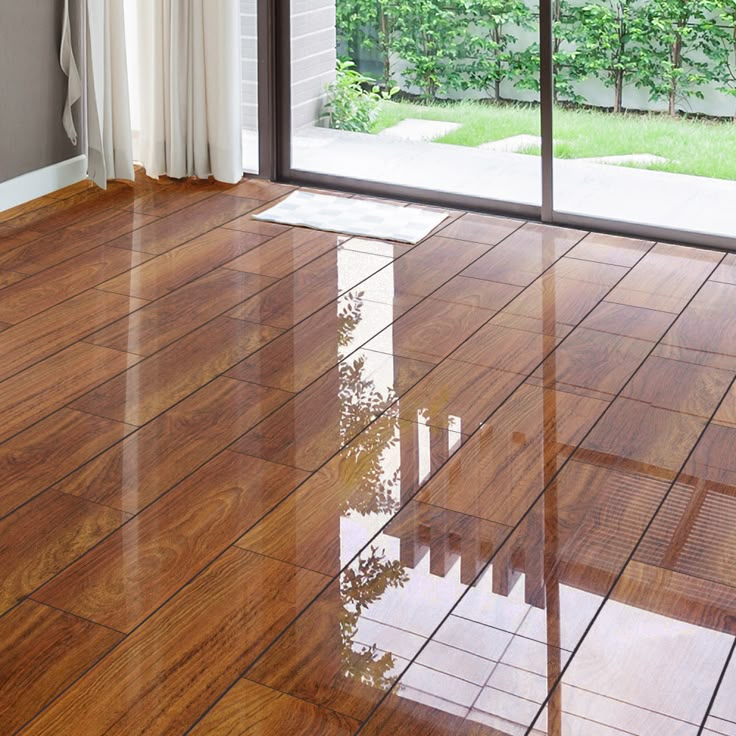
x=261 y=480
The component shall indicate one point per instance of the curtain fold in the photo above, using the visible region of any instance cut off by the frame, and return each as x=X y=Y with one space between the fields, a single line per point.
x=189 y=64
x=109 y=139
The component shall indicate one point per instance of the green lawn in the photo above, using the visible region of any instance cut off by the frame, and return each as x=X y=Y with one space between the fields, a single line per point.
x=699 y=147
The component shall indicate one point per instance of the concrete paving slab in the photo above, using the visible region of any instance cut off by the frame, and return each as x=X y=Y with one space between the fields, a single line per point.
x=413 y=129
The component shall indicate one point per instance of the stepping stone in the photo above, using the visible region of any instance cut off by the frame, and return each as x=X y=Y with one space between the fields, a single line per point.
x=412 y=129
x=514 y=144
x=631 y=159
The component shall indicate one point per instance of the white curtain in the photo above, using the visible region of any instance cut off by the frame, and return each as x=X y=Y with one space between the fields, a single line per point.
x=189 y=86
x=109 y=141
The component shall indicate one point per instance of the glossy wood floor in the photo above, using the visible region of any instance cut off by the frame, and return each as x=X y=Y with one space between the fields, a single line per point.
x=268 y=482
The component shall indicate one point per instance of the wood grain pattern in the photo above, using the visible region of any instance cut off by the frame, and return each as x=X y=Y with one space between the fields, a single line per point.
x=317 y=422
x=457 y=394
x=477 y=293
x=330 y=665
x=504 y=467
x=525 y=254
x=22 y=209
x=249 y=709
x=44 y=651
x=726 y=272
x=168 y=232
x=59 y=283
x=171 y=375
x=10 y=277
x=614 y=249
x=627 y=321
x=180 y=265
x=59 y=327
x=72 y=241
x=44 y=536
x=145 y=465
x=430 y=331
x=259 y=189
x=362 y=485
x=309 y=288
x=43 y=454
x=286 y=253
x=153 y=554
x=54 y=382
x=152 y=683
x=666 y=278
x=481 y=228
x=185 y=309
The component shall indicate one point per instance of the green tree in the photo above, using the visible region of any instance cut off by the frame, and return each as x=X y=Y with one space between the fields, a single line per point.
x=429 y=36
x=727 y=72
x=489 y=46
x=368 y=24
x=611 y=41
x=685 y=49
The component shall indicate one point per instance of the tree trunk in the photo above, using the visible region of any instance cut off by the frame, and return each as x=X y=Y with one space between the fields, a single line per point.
x=676 y=64
x=619 y=91
x=497 y=90
x=385 y=50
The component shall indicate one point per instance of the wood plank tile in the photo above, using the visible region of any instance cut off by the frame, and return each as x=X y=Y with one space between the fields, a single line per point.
x=54 y=382
x=260 y=189
x=726 y=414
x=80 y=186
x=621 y=319
x=589 y=360
x=430 y=331
x=310 y=288
x=59 y=283
x=176 y=267
x=638 y=673
x=10 y=277
x=313 y=667
x=247 y=224
x=43 y=454
x=726 y=272
x=39 y=337
x=165 y=200
x=341 y=507
x=169 y=543
x=525 y=254
x=713 y=460
x=165 y=675
x=169 y=232
x=145 y=465
x=385 y=248
x=708 y=324
x=286 y=253
x=611 y=249
x=312 y=347
x=477 y=293
x=40 y=539
x=458 y=395
x=638 y=436
x=22 y=209
x=506 y=349
x=74 y=240
x=502 y=469
x=317 y=422
x=565 y=299
x=249 y=709
x=44 y=651
x=187 y=308
x=11 y=237
x=723 y=714
x=677 y=386
x=167 y=377
x=666 y=278
x=481 y=228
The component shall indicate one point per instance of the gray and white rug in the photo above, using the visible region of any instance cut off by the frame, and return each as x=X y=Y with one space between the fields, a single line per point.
x=354 y=217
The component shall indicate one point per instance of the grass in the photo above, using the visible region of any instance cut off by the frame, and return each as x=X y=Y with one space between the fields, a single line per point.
x=698 y=147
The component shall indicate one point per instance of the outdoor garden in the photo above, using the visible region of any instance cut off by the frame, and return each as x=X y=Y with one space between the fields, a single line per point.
x=632 y=77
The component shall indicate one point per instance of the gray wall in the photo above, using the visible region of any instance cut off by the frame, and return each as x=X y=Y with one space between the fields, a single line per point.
x=313 y=59
x=32 y=87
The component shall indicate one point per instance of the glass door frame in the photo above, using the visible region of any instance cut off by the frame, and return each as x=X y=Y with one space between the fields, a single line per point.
x=274 y=92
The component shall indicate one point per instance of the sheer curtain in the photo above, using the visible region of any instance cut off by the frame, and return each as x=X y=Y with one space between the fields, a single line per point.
x=189 y=88
x=109 y=143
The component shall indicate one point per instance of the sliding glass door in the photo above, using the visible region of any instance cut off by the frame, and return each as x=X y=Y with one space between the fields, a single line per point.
x=606 y=114
x=427 y=96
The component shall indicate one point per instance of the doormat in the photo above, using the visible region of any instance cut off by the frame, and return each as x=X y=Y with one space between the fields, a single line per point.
x=354 y=217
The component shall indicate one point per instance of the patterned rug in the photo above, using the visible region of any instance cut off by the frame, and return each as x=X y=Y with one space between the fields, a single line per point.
x=354 y=217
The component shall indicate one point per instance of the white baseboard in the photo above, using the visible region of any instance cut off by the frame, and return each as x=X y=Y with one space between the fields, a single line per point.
x=44 y=181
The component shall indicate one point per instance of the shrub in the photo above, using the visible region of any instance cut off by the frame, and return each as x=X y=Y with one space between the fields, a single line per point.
x=353 y=100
